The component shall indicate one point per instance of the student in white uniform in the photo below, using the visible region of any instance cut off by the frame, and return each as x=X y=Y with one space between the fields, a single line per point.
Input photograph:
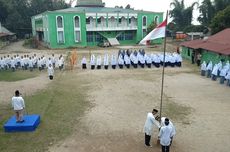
x=13 y=64
x=106 y=61
x=120 y=61
x=171 y=125
x=127 y=61
x=113 y=61
x=227 y=77
x=165 y=136
x=92 y=61
x=98 y=62
x=18 y=105
x=223 y=73
x=61 y=62
x=83 y=63
x=53 y=60
x=1 y=64
x=149 y=124
x=39 y=64
x=203 y=68
x=50 y=72
x=148 y=60
x=31 y=64
x=215 y=72
x=209 y=69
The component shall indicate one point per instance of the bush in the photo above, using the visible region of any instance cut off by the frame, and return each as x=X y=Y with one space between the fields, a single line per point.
x=31 y=42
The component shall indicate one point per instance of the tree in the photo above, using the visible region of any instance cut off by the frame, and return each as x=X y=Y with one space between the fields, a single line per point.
x=128 y=6
x=151 y=26
x=207 y=11
x=16 y=14
x=3 y=11
x=221 y=20
x=182 y=16
x=221 y=4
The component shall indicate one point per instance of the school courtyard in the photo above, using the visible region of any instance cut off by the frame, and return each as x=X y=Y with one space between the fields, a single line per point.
x=105 y=110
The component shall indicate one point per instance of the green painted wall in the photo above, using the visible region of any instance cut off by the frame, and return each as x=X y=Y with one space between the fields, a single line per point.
x=69 y=37
x=214 y=57
x=68 y=30
x=206 y=55
x=150 y=19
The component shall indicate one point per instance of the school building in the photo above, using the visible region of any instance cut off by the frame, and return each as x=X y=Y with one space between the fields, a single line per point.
x=90 y=23
x=213 y=48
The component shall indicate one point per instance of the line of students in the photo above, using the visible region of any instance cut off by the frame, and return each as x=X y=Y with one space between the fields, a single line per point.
x=220 y=70
x=132 y=58
x=26 y=62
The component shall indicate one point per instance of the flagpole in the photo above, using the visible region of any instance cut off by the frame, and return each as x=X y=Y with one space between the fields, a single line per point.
x=163 y=71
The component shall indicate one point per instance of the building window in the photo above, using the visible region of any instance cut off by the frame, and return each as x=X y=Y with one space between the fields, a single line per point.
x=89 y=37
x=59 y=22
x=60 y=30
x=77 y=29
x=144 y=32
x=144 y=21
x=77 y=21
x=60 y=37
x=119 y=20
x=130 y=20
x=156 y=20
x=99 y=20
x=88 y=20
x=77 y=36
x=99 y=38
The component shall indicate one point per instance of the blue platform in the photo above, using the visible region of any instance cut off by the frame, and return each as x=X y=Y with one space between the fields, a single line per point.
x=30 y=124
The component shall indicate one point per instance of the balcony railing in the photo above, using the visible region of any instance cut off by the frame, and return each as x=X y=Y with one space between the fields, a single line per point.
x=110 y=28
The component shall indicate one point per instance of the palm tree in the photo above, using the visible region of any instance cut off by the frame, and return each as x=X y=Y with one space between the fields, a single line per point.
x=207 y=11
x=182 y=16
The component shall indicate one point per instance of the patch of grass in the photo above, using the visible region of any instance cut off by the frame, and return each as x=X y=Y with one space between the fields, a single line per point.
x=60 y=107
x=10 y=76
x=176 y=111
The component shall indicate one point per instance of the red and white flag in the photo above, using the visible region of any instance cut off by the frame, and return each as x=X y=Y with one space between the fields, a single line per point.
x=156 y=33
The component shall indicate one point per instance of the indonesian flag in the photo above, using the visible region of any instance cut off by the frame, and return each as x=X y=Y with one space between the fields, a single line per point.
x=156 y=33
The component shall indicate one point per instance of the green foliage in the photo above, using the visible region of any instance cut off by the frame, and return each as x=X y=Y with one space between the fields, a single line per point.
x=3 y=11
x=182 y=16
x=31 y=42
x=151 y=27
x=60 y=107
x=209 y=9
x=10 y=76
x=221 y=21
x=16 y=14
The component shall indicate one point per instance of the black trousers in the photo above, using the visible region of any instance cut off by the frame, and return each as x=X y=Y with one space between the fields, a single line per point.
x=147 y=139
x=113 y=66
x=165 y=148
x=106 y=67
x=92 y=67
x=51 y=77
x=84 y=66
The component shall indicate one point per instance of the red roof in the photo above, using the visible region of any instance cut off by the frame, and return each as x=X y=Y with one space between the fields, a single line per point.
x=219 y=43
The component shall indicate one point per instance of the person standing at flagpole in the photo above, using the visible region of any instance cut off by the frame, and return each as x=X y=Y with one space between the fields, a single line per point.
x=148 y=127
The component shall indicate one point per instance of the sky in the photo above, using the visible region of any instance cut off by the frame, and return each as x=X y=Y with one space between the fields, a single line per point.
x=151 y=5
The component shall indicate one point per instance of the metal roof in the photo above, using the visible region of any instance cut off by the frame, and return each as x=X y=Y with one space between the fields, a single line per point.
x=219 y=43
x=5 y=32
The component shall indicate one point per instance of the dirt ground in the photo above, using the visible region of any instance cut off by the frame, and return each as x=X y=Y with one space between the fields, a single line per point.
x=197 y=106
